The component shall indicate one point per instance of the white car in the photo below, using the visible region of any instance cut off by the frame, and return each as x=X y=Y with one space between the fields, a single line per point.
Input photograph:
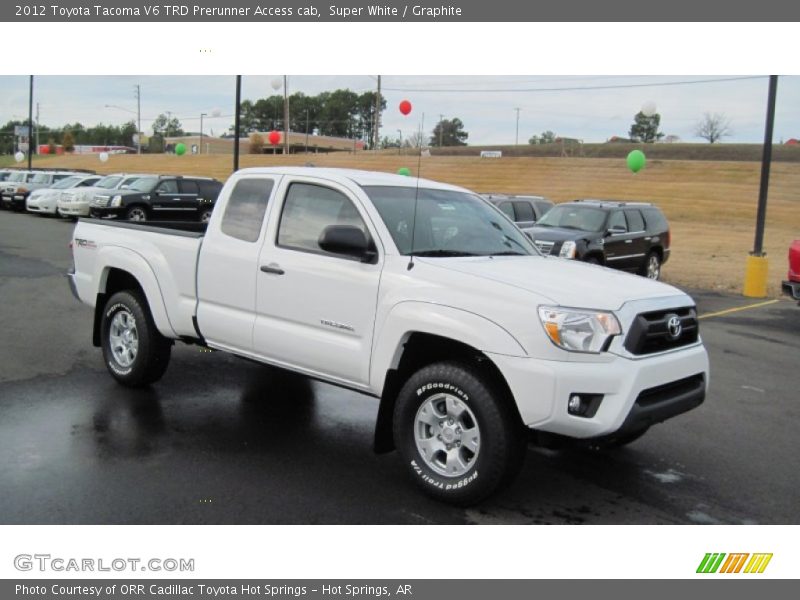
x=75 y=202
x=45 y=201
x=417 y=293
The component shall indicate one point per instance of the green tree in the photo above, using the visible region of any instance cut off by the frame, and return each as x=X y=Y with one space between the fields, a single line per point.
x=167 y=127
x=366 y=115
x=449 y=132
x=645 y=128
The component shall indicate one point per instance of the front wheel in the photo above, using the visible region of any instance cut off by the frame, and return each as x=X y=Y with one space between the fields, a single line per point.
x=459 y=439
x=135 y=353
x=136 y=213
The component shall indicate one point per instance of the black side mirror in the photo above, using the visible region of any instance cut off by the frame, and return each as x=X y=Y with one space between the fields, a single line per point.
x=346 y=240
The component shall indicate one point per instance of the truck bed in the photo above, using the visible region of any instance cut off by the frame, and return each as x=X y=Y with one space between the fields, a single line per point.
x=161 y=255
x=184 y=228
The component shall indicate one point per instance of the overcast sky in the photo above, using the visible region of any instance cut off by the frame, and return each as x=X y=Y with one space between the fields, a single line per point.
x=485 y=104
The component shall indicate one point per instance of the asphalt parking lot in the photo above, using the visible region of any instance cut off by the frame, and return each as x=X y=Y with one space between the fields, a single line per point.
x=220 y=440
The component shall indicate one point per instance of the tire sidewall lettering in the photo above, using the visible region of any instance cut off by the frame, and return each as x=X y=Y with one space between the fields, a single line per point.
x=425 y=474
x=441 y=387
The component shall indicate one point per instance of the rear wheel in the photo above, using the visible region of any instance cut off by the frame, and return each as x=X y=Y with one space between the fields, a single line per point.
x=136 y=354
x=592 y=260
x=456 y=434
x=652 y=266
x=136 y=213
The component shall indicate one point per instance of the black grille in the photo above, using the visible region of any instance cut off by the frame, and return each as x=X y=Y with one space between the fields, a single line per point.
x=661 y=393
x=650 y=331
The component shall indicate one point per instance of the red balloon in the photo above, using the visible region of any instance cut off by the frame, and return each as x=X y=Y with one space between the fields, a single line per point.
x=405 y=107
x=274 y=138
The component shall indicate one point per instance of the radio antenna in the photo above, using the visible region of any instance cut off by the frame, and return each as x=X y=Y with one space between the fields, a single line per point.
x=416 y=196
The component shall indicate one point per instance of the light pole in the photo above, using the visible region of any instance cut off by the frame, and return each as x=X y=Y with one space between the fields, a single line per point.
x=200 y=150
x=139 y=126
x=516 y=143
x=306 y=131
x=400 y=144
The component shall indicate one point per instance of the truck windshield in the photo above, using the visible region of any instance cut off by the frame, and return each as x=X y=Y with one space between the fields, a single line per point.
x=570 y=216
x=41 y=178
x=448 y=223
x=68 y=182
x=108 y=183
x=17 y=177
x=145 y=184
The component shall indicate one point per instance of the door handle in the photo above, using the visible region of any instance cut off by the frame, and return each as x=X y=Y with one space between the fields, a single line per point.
x=628 y=241
x=273 y=269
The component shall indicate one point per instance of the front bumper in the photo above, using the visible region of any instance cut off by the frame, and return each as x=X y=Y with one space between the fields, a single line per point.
x=792 y=289
x=636 y=392
x=106 y=212
x=14 y=201
x=74 y=209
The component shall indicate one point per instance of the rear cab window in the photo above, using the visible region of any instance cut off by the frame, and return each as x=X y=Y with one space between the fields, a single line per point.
x=247 y=205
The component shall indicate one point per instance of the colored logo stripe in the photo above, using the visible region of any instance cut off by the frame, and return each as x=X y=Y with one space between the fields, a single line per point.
x=733 y=564
x=758 y=563
x=710 y=563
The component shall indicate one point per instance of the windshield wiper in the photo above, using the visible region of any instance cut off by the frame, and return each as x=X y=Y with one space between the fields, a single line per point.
x=442 y=253
x=509 y=253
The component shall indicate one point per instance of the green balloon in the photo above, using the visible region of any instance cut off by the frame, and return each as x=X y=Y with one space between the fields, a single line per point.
x=636 y=160
x=180 y=149
x=404 y=171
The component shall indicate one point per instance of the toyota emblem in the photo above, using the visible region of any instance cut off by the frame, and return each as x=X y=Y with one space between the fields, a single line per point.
x=674 y=327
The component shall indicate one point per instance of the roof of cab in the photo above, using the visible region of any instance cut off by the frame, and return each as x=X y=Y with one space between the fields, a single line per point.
x=362 y=178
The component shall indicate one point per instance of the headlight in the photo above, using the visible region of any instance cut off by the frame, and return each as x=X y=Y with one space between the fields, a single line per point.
x=116 y=201
x=579 y=330
x=567 y=250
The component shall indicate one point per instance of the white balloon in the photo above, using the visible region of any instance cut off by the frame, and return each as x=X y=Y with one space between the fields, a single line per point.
x=19 y=156
x=649 y=108
x=103 y=156
x=276 y=83
x=217 y=112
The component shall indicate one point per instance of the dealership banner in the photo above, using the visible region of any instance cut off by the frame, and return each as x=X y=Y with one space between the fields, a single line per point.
x=248 y=11
x=370 y=589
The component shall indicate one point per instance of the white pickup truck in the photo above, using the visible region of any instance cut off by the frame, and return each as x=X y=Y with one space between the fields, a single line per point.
x=418 y=293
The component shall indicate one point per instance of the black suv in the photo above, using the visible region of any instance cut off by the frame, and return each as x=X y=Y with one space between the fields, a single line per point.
x=631 y=236
x=523 y=210
x=152 y=197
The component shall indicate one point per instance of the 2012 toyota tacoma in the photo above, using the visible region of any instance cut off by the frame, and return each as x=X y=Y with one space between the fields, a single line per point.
x=415 y=292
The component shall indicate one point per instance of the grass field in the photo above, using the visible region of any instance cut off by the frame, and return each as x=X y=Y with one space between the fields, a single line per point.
x=711 y=205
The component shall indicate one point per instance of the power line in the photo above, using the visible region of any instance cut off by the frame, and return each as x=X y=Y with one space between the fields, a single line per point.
x=578 y=88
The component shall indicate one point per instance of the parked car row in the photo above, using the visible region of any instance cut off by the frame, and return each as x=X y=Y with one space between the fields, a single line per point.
x=630 y=236
x=128 y=196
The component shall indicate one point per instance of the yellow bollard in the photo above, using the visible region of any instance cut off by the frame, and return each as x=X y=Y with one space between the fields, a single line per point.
x=755 y=277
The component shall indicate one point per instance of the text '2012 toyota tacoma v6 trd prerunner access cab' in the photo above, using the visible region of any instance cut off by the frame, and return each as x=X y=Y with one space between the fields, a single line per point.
x=418 y=293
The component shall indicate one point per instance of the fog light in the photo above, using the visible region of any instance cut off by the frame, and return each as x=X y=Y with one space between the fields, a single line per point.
x=575 y=405
x=584 y=405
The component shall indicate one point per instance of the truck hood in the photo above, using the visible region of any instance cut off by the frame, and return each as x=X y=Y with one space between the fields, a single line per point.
x=560 y=281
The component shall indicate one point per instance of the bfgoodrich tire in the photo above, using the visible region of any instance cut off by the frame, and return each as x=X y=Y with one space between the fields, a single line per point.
x=457 y=436
x=135 y=353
